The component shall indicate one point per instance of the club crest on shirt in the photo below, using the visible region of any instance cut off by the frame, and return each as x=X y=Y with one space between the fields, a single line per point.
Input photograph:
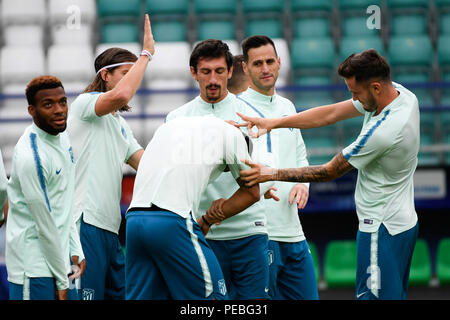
x=222 y=287
x=88 y=294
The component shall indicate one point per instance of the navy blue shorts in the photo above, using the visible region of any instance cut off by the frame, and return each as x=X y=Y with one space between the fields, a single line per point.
x=383 y=264
x=42 y=288
x=245 y=265
x=104 y=276
x=169 y=258
x=292 y=274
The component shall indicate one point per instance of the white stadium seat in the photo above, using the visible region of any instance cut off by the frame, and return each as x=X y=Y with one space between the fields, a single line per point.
x=23 y=12
x=71 y=63
x=65 y=36
x=18 y=65
x=70 y=11
x=133 y=47
x=283 y=52
x=23 y=35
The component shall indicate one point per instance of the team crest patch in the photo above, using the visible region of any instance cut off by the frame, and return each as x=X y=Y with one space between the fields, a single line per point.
x=222 y=287
x=88 y=294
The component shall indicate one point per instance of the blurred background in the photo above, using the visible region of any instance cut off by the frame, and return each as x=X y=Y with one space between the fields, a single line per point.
x=312 y=37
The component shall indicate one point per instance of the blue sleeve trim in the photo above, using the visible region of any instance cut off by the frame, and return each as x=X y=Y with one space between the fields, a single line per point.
x=40 y=173
x=366 y=137
x=269 y=140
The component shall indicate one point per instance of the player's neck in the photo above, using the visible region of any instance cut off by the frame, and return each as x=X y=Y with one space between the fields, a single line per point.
x=267 y=92
x=386 y=99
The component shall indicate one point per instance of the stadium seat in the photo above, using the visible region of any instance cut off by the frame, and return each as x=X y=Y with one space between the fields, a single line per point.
x=216 y=29
x=444 y=24
x=442 y=4
x=23 y=35
x=249 y=6
x=443 y=50
x=71 y=63
x=18 y=65
x=410 y=79
x=168 y=31
x=413 y=24
x=23 y=12
x=427 y=158
x=119 y=32
x=134 y=47
x=119 y=8
x=216 y=6
x=60 y=10
x=420 y=273
x=311 y=27
x=312 y=5
x=411 y=51
x=313 y=53
x=340 y=263
x=315 y=257
x=357 y=44
x=172 y=7
x=312 y=98
x=357 y=26
x=273 y=28
x=407 y=4
x=360 y=5
x=62 y=35
x=443 y=261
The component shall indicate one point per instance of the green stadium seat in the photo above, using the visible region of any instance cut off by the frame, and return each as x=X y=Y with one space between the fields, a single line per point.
x=424 y=95
x=313 y=98
x=168 y=31
x=444 y=24
x=357 y=44
x=315 y=257
x=166 y=7
x=313 y=53
x=273 y=28
x=216 y=6
x=427 y=158
x=420 y=273
x=340 y=263
x=443 y=261
x=357 y=26
x=407 y=3
x=118 y=8
x=410 y=50
x=249 y=6
x=216 y=29
x=408 y=24
x=119 y=32
x=442 y=4
x=443 y=50
x=352 y=125
x=357 y=4
x=312 y=5
x=315 y=160
x=311 y=27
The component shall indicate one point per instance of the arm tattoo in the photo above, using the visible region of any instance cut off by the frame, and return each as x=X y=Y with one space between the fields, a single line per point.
x=337 y=167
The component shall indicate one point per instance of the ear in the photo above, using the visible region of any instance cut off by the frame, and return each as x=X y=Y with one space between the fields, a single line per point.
x=376 y=87
x=103 y=74
x=194 y=74
x=230 y=72
x=279 y=62
x=31 y=111
x=244 y=67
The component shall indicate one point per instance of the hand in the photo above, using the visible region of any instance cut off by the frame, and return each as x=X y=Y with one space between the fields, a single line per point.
x=79 y=270
x=300 y=193
x=264 y=125
x=215 y=213
x=61 y=294
x=257 y=174
x=203 y=226
x=271 y=195
x=149 y=42
x=233 y=123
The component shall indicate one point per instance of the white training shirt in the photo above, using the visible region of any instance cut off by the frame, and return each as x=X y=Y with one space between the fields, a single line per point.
x=385 y=154
x=184 y=155
x=101 y=145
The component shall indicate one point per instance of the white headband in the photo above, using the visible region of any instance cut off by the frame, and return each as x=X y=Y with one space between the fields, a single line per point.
x=114 y=65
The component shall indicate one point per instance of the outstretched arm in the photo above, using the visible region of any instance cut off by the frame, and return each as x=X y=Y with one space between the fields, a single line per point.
x=335 y=168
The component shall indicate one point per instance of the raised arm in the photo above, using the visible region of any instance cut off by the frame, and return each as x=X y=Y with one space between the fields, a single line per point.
x=311 y=118
x=128 y=85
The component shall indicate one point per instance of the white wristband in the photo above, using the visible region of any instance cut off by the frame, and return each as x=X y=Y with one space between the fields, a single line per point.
x=147 y=53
